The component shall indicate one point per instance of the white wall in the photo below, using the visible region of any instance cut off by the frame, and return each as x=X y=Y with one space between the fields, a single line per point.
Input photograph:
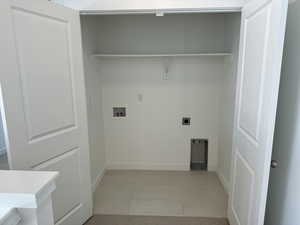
x=151 y=136
x=94 y=104
x=284 y=195
x=232 y=27
x=151 y=34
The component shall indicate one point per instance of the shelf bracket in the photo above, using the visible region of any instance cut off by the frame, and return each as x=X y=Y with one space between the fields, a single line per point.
x=166 y=66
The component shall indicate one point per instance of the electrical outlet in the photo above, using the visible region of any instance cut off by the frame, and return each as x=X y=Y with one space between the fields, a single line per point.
x=186 y=121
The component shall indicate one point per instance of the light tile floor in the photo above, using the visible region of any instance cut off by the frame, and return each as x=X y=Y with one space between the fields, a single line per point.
x=160 y=193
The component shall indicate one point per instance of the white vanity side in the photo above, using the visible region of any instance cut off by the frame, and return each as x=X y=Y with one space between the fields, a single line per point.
x=25 y=196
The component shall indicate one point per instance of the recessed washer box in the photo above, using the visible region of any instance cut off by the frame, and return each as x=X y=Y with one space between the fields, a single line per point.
x=119 y=111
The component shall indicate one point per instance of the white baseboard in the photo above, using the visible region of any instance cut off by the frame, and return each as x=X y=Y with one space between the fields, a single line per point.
x=224 y=182
x=146 y=166
x=97 y=181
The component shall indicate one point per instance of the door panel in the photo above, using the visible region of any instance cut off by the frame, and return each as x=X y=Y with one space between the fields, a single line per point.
x=68 y=166
x=243 y=189
x=52 y=110
x=261 y=45
x=43 y=92
x=253 y=72
x=50 y=114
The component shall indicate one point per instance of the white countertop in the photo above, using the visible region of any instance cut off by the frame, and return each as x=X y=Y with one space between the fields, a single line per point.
x=25 y=188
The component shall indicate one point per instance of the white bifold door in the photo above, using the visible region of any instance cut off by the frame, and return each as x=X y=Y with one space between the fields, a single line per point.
x=261 y=46
x=43 y=92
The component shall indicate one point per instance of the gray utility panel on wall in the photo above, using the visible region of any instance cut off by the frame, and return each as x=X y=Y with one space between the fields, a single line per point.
x=199 y=154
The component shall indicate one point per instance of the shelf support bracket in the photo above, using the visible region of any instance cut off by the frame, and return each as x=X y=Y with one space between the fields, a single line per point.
x=166 y=66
